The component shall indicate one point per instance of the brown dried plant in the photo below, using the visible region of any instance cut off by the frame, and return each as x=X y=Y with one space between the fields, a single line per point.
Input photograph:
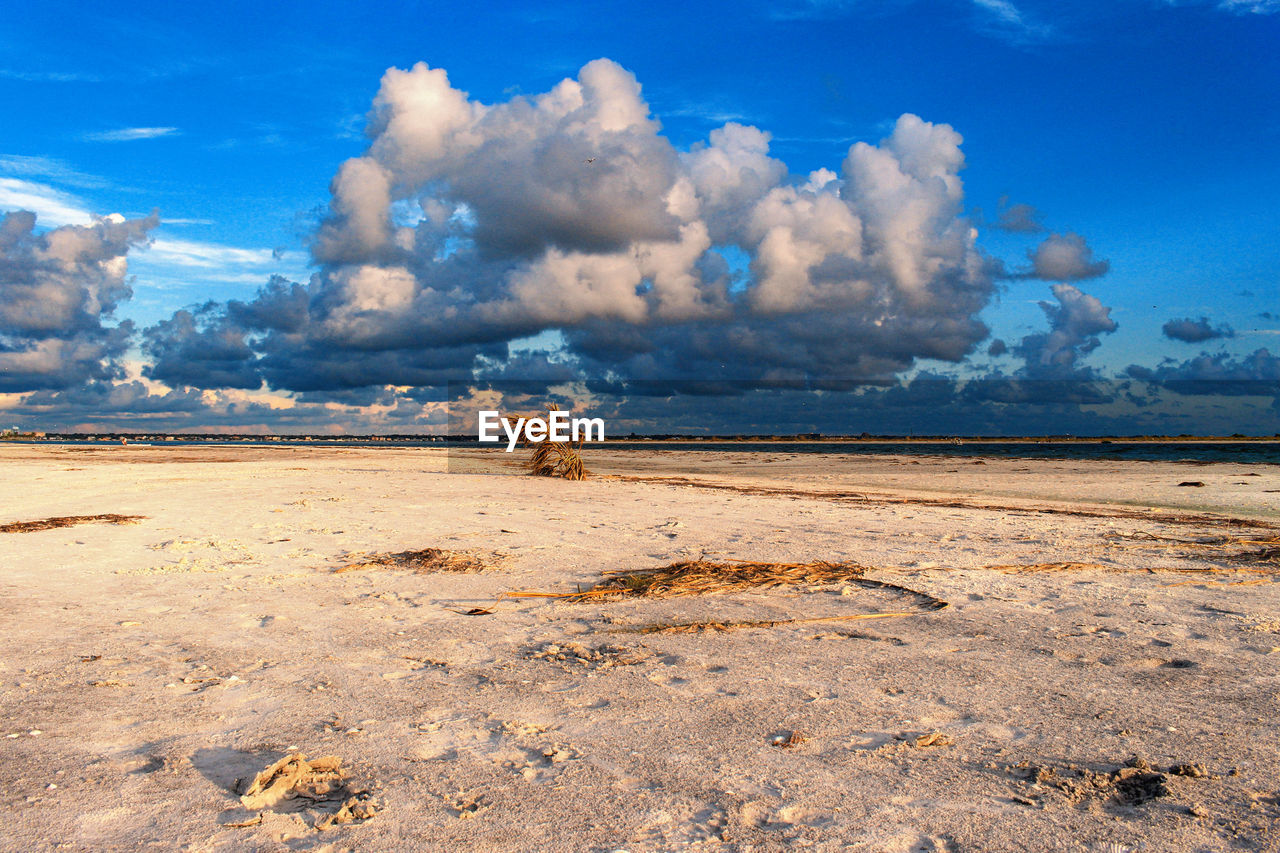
x=557 y=458
x=68 y=521
x=424 y=561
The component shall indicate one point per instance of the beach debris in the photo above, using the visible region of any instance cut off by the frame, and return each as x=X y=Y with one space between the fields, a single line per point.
x=592 y=657
x=704 y=577
x=68 y=521
x=1049 y=567
x=1191 y=771
x=1195 y=484
x=1248 y=550
x=712 y=627
x=1131 y=785
x=557 y=458
x=322 y=783
x=294 y=776
x=465 y=805
x=354 y=810
x=424 y=561
x=787 y=739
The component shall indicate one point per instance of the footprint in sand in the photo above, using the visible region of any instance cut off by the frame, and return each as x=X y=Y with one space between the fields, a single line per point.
x=524 y=748
x=1163 y=663
x=682 y=824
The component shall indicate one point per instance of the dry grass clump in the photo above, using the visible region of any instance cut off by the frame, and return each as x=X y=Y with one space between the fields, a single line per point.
x=1256 y=549
x=425 y=561
x=1248 y=553
x=557 y=458
x=1049 y=567
x=68 y=521
x=720 y=627
x=703 y=577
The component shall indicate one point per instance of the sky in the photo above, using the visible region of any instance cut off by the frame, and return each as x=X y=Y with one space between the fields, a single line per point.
x=987 y=216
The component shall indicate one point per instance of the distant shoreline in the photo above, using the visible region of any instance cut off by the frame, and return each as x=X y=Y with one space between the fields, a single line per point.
x=160 y=439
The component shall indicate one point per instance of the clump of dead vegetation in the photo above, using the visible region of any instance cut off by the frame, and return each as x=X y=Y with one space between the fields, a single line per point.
x=557 y=458
x=425 y=561
x=1229 y=549
x=706 y=577
x=68 y=521
x=1235 y=554
x=1026 y=568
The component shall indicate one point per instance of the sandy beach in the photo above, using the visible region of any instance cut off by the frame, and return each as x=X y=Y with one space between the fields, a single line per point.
x=1121 y=696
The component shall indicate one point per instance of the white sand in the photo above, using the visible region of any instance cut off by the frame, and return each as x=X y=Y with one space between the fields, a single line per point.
x=145 y=668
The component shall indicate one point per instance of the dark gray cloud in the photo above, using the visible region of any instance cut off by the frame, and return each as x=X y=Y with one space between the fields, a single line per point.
x=58 y=292
x=1018 y=219
x=200 y=348
x=1255 y=374
x=1195 y=331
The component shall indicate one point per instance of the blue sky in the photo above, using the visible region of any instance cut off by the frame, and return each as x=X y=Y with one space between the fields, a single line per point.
x=1148 y=128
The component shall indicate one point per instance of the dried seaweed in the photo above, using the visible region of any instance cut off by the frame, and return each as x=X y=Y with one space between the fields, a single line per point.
x=1049 y=567
x=68 y=521
x=557 y=458
x=425 y=561
x=703 y=577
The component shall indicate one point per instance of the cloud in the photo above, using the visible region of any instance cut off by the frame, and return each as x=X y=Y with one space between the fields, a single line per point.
x=1254 y=7
x=52 y=206
x=466 y=226
x=191 y=348
x=58 y=290
x=130 y=134
x=1018 y=219
x=49 y=168
x=1195 y=331
x=190 y=253
x=49 y=76
x=1065 y=257
x=1002 y=18
x=167 y=262
x=1257 y=373
x=1074 y=326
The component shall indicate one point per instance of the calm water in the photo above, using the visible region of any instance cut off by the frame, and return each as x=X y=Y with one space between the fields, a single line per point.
x=1219 y=451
